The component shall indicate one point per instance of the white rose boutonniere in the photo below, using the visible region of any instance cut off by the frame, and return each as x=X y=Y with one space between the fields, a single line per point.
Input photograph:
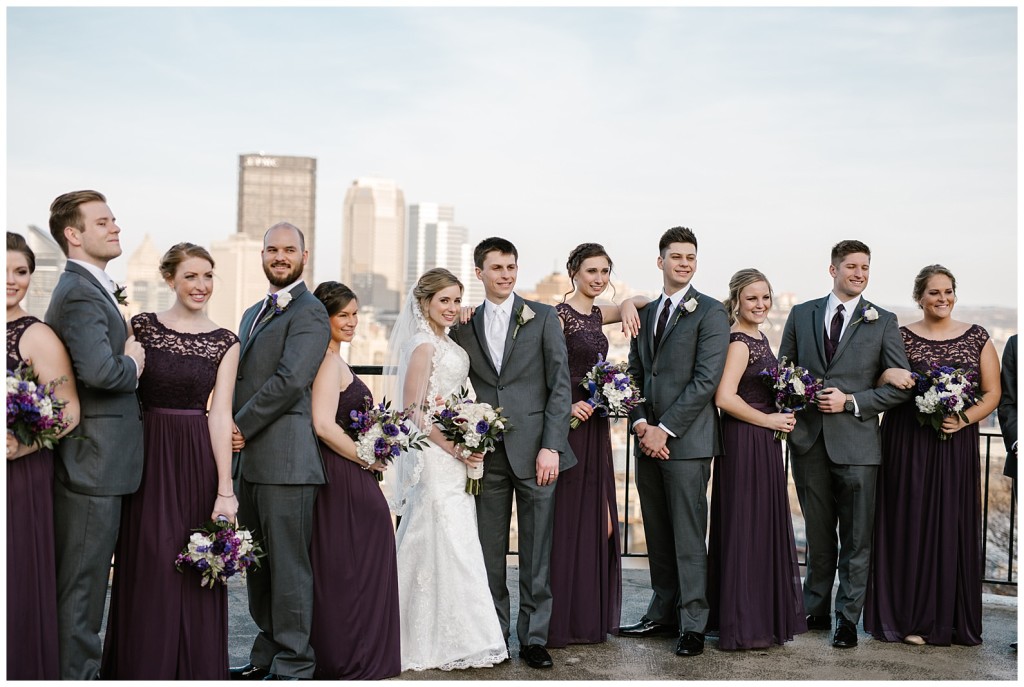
x=281 y=301
x=523 y=315
x=119 y=295
x=868 y=314
x=690 y=305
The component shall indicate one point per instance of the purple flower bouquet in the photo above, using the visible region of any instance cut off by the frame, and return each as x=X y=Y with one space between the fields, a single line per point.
x=942 y=392
x=382 y=434
x=794 y=388
x=612 y=390
x=219 y=550
x=34 y=414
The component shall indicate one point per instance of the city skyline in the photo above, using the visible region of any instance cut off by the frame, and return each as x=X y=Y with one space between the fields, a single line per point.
x=772 y=132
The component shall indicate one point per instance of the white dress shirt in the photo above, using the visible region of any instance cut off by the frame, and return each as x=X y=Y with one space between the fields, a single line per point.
x=850 y=313
x=496 y=321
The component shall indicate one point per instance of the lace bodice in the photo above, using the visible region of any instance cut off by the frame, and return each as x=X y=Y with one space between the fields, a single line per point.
x=963 y=351
x=15 y=329
x=584 y=339
x=450 y=365
x=753 y=388
x=181 y=368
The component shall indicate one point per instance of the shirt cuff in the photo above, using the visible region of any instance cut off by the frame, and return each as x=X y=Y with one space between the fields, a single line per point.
x=667 y=430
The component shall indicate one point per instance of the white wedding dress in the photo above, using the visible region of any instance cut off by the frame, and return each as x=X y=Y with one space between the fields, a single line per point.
x=448 y=619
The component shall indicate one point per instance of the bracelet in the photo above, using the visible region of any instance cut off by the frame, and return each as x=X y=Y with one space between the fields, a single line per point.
x=226 y=496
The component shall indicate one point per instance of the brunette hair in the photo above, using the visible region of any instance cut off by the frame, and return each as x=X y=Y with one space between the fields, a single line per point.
x=676 y=235
x=335 y=296
x=844 y=248
x=64 y=212
x=926 y=273
x=582 y=252
x=18 y=244
x=430 y=283
x=740 y=281
x=179 y=253
x=503 y=246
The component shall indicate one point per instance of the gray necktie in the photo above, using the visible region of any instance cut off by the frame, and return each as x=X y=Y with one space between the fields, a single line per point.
x=497 y=326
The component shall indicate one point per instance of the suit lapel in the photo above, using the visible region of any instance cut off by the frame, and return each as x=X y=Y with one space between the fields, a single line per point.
x=851 y=329
x=677 y=314
x=818 y=326
x=297 y=291
x=79 y=270
x=651 y=324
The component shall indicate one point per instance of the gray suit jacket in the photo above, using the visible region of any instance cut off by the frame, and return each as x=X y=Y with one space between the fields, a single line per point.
x=679 y=379
x=533 y=388
x=866 y=350
x=102 y=456
x=273 y=392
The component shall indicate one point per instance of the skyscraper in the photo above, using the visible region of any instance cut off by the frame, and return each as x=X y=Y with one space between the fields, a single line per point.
x=278 y=188
x=147 y=290
x=239 y=280
x=435 y=241
x=373 y=243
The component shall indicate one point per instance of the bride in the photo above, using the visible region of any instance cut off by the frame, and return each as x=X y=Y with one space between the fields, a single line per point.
x=448 y=619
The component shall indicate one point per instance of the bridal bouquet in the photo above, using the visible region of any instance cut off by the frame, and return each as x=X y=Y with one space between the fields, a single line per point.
x=794 y=388
x=942 y=392
x=34 y=413
x=219 y=550
x=382 y=434
x=612 y=390
x=475 y=427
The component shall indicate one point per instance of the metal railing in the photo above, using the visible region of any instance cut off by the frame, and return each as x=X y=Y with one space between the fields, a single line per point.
x=986 y=438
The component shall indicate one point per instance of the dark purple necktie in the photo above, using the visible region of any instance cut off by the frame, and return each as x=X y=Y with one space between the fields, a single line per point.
x=834 y=329
x=662 y=321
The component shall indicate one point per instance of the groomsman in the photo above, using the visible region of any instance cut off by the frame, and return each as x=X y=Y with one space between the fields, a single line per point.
x=847 y=342
x=679 y=357
x=1008 y=414
x=279 y=468
x=518 y=361
x=100 y=460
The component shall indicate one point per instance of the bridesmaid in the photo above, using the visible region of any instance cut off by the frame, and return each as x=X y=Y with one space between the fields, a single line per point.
x=162 y=624
x=586 y=567
x=925 y=580
x=355 y=632
x=754 y=588
x=31 y=571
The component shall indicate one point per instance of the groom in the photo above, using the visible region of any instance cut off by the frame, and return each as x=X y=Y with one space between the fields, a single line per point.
x=679 y=356
x=518 y=362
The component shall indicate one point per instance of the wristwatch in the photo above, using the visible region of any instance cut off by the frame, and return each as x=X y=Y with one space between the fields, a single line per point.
x=849 y=406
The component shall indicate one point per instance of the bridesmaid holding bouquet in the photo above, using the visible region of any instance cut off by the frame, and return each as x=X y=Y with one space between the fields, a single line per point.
x=754 y=589
x=31 y=566
x=163 y=625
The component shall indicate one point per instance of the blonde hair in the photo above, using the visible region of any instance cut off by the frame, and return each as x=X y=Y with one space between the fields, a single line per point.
x=740 y=281
x=926 y=273
x=179 y=253
x=430 y=283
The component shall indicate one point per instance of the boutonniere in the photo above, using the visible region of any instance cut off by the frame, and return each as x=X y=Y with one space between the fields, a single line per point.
x=119 y=295
x=281 y=301
x=685 y=308
x=523 y=315
x=868 y=314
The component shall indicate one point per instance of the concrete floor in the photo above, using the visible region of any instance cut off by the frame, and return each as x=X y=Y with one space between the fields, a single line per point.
x=808 y=657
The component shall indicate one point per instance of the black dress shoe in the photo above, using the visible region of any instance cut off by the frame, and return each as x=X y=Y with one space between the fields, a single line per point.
x=819 y=622
x=648 y=628
x=690 y=644
x=248 y=672
x=536 y=656
x=846 y=633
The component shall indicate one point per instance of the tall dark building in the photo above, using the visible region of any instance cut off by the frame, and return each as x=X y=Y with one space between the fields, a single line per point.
x=278 y=188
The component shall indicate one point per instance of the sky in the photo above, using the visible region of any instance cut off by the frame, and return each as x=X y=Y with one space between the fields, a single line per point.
x=773 y=133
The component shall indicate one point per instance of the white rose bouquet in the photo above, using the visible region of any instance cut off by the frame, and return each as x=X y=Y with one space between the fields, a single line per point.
x=219 y=550
x=382 y=434
x=794 y=388
x=473 y=426
x=34 y=413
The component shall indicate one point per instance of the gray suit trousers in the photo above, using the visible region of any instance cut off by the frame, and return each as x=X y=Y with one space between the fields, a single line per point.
x=535 y=507
x=85 y=533
x=834 y=495
x=674 y=504
x=281 y=589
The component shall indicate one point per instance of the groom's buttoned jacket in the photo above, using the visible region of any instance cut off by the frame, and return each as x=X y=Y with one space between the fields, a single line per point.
x=273 y=391
x=679 y=378
x=102 y=456
x=867 y=348
x=533 y=387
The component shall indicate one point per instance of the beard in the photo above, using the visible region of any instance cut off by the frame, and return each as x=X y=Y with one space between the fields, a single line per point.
x=281 y=282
